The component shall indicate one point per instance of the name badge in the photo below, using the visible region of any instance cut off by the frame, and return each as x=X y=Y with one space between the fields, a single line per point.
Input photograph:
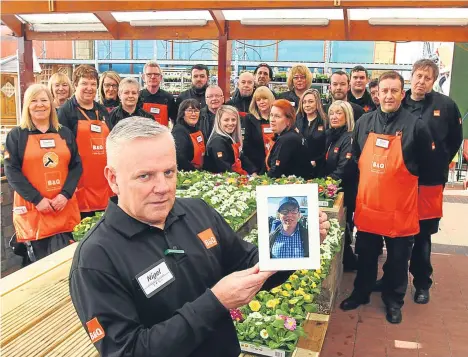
x=382 y=143
x=20 y=210
x=199 y=138
x=154 y=110
x=320 y=128
x=47 y=143
x=96 y=128
x=437 y=113
x=155 y=278
x=267 y=130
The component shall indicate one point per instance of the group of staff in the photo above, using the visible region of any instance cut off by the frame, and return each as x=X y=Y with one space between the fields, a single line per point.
x=390 y=148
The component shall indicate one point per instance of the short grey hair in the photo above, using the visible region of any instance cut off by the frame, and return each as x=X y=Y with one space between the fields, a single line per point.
x=128 y=81
x=130 y=129
x=426 y=63
x=151 y=64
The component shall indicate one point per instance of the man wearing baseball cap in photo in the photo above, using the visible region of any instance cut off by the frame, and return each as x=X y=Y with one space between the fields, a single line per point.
x=263 y=75
x=290 y=239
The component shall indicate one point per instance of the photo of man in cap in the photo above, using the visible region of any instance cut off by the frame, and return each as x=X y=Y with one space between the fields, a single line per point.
x=290 y=239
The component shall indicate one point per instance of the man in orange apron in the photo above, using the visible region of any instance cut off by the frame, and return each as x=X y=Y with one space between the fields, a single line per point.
x=156 y=101
x=393 y=149
x=443 y=118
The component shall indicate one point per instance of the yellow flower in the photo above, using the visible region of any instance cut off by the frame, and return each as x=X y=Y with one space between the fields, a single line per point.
x=291 y=309
x=264 y=182
x=299 y=292
x=307 y=297
x=303 y=271
x=254 y=305
x=319 y=271
x=231 y=180
x=272 y=303
x=303 y=283
x=314 y=285
x=293 y=277
x=316 y=275
x=285 y=293
x=276 y=290
x=287 y=286
x=293 y=301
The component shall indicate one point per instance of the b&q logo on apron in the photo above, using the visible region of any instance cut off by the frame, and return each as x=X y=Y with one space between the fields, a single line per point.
x=50 y=160
x=379 y=164
x=97 y=144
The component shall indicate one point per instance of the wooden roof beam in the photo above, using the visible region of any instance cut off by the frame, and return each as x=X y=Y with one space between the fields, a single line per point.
x=14 y=7
x=346 y=22
x=109 y=22
x=14 y=24
x=220 y=21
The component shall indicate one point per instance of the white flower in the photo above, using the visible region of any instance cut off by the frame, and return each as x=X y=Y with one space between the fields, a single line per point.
x=264 y=334
x=256 y=315
x=267 y=318
x=259 y=323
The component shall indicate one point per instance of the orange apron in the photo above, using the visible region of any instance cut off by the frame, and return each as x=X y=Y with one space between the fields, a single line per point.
x=430 y=200
x=198 y=149
x=267 y=135
x=387 y=199
x=45 y=165
x=158 y=111
x=93 y=190
x=237 y=166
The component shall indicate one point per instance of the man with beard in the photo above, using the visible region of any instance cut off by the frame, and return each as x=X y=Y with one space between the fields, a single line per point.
x=339 y=87
x=358 y=93
x=263 y=75
x=243 y=94
x=156 y=101
x=214 y=99
x=200 y=74
x=290 y=239
x=374 y=91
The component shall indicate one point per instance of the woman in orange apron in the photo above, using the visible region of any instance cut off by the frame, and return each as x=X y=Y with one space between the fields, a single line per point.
x=258 y=138
x=224 y=147
x=108 y=90
x=288 y=155
x=189 y=140
x=87 y=120
x=43 y=167
x=393 y=149
x=312 y=123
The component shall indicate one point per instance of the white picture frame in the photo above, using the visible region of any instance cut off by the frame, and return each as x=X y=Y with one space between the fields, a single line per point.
x=267 y=197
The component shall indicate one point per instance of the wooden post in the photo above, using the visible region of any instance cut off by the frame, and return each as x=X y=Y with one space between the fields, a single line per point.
x=25 y=62
x=224 y=65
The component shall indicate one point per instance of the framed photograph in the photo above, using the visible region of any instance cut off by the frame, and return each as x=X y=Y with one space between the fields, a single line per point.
x=288 y=227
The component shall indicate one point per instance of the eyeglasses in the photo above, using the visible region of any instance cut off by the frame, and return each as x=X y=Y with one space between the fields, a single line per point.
x=214 y=96
x=287 y=211
x=192 y=111
x=157 y=75
x=108 y=85
x=296 y=78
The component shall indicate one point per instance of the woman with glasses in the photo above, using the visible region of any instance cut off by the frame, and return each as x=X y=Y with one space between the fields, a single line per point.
x=288 y=156
x=258 y=138
x=299 y=80
x=189 y=140
x=61 y=88
x=108 y=90
x=87 y=120
x=224 y=147
x=312 y=123
x=340 y=165
x=129 y=91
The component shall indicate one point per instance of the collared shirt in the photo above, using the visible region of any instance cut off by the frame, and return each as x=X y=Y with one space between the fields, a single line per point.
x=288 y=246
x=184 y=317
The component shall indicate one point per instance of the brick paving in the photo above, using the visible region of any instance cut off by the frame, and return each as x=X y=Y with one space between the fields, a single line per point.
x=439 y=329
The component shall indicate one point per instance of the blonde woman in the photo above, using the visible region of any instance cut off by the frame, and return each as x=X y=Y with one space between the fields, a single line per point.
x=340 y=165
x=108 y=90
x=61 y=88
x=43 y=167
x=299 y=80
x=224 y=147
x=312 y=123
x=258 y=138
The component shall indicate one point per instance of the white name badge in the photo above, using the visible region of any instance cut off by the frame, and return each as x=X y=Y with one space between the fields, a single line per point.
x=47 y=143
x=267 y=130
x=293 y=104
x=155 y=278
x=20 y=210
x=154 y=110
x=382 y=143
x=199 y=139
x=96 y=128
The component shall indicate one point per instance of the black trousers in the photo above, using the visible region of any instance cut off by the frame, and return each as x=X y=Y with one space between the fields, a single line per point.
x=348 y=255
x=368 y=247
x=420 y=264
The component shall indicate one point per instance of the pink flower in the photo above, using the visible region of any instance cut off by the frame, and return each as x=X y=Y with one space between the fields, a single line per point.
x=236 y=315
x=290 y=324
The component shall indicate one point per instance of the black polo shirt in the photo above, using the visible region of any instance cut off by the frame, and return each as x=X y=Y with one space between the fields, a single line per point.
x=183 y=317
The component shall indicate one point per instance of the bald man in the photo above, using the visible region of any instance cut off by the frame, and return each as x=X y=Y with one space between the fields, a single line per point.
x=243 y=95
x=214 y=99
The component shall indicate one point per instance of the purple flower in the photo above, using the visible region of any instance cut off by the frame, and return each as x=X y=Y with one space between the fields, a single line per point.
x=236 y=315
x=290 y=324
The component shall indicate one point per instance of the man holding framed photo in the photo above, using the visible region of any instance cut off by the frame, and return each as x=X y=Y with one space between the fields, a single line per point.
x=290 y=239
